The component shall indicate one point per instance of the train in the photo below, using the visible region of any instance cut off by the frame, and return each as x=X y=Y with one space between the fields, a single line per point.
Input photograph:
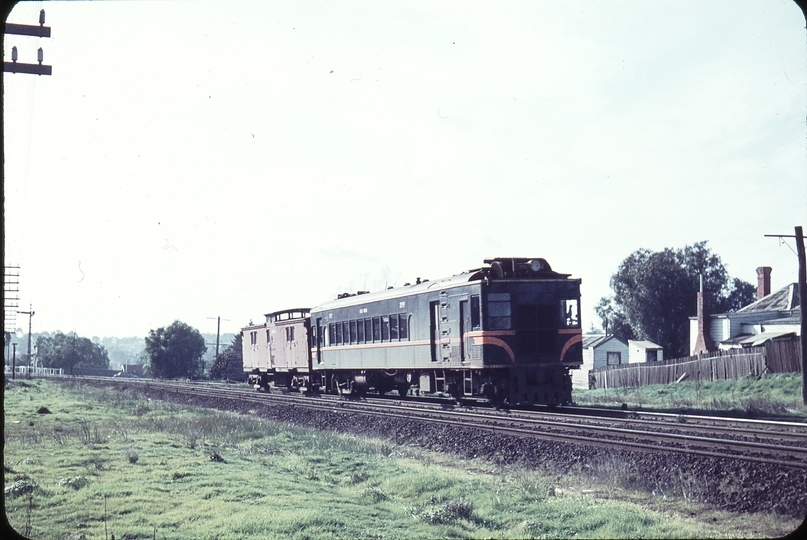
x=508 y=333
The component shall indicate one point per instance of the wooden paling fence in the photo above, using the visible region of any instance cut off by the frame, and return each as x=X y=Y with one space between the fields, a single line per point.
x=774 y=357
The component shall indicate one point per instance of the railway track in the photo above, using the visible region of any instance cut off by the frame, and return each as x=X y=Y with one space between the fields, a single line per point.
x=768 y=442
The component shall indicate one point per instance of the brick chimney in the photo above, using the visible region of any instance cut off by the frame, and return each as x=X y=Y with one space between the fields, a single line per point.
x=704 y=342
x=763 y=281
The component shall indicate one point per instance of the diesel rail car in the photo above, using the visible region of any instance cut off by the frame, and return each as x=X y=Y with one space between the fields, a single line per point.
x=508 y=332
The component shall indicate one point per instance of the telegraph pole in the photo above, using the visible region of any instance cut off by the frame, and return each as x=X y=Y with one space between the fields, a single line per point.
x=28 y=30
x=11 y=295
x=14 y=362
x=799 y=236
x=218 y=333
x=803 y=305
x=30 y=314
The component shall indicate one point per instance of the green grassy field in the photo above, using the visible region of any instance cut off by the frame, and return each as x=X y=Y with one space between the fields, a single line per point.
x=776 y=395
x=81 y=460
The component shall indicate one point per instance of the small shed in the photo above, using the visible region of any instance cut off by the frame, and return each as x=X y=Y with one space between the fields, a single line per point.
x=599 y=351
x=644 y=351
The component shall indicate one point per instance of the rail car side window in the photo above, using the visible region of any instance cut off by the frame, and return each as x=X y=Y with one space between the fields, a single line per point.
x=393 y=327
x=331 y=333
x=368 y=330
x=360 y=331
x=376 y=329
x=499 y=311
x=385 y=328
x=570 y=312
x=403 y=327
x=353 y=331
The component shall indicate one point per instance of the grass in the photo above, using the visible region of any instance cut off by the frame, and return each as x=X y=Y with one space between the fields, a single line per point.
x=104 y=463
x=777 y=395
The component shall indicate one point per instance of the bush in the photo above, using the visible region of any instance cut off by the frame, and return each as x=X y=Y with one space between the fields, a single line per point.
x=131 y=455
x=77 y=482
x=21 y=487
x=448 y=513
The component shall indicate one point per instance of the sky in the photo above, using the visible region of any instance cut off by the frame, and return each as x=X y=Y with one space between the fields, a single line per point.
x=189 y=160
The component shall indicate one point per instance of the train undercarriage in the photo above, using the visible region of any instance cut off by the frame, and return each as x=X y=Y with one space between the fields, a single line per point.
x=516 y=386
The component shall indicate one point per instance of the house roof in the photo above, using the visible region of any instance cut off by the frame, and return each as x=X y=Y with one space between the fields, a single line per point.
x=591 y=341
x=643 y=344
x=785 y=299
x=736 y=340
x=759 y=339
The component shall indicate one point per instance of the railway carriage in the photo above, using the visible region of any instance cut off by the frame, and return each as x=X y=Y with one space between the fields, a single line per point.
x=276 y=353
x=508 y=332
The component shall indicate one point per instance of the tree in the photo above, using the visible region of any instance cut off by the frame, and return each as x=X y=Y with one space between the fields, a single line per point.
x=67 y=351
x=656 y=293
x=175 y=351
x=614 y=322
x=230 y=363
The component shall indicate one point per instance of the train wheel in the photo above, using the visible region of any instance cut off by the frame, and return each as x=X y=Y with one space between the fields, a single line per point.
x=403 y=390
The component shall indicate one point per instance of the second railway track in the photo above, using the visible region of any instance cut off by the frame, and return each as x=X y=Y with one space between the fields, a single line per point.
x=775 y=443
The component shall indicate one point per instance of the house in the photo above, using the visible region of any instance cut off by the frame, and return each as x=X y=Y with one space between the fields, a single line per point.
x=644 y=351
x=599 y=351
x=133 y=369
x=772 y=315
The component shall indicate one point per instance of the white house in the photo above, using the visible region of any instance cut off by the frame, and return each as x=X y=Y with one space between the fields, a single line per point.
x=772 y=315
x=599 y=351
x=644 y=351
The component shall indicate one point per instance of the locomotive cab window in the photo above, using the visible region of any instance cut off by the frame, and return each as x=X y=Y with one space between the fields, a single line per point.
x=499 y=311
x=570 y=312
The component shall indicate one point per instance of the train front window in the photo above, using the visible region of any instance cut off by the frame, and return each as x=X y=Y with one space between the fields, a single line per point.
x=570 y=312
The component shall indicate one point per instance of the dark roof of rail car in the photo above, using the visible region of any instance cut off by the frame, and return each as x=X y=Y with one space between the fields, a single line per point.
x=395 y=292
x=437 y=284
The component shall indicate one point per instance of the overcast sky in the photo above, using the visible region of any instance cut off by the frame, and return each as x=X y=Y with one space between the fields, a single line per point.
x=189 y=160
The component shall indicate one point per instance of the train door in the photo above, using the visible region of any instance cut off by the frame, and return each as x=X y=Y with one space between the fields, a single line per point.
x=464 y=324
x=434 y=330
x=319 y=338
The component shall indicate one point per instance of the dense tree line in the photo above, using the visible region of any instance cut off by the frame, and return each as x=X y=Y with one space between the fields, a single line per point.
x=655 y=293
x=67 y=351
